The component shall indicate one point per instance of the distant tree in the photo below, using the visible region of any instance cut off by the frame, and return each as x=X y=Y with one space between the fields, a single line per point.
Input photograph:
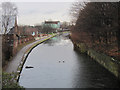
x=47 y=29
x=9 y=12
x=39 y=27
x=64 y=25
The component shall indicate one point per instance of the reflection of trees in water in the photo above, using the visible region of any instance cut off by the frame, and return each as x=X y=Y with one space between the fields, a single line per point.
x=86 y=69
x=55 y=40
x=50 y=42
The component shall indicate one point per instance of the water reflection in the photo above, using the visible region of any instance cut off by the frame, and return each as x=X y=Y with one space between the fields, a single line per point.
x=57 y=41
x=92 y=75
x=77 y=70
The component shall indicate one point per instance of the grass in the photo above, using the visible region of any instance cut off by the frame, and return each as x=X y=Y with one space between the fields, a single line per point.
x=8 y=81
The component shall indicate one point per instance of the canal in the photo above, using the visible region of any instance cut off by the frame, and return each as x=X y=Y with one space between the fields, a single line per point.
x=56 y=65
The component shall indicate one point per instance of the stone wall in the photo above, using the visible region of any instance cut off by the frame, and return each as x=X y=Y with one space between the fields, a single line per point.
x=108 y=62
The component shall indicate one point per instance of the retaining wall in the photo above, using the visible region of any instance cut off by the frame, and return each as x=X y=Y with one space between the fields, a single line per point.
x=108 y=62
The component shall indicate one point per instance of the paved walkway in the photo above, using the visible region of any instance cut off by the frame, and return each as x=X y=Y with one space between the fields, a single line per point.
x=13 y=64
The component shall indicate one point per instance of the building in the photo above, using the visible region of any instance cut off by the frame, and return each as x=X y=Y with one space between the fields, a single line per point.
x=31 y=31
x=53 y=24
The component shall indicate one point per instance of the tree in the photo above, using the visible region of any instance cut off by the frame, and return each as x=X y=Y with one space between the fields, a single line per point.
x=39 y=27
x=9 y=13
x=75 y=10
x=98 y=25
x=64 y=24
x=47 y=29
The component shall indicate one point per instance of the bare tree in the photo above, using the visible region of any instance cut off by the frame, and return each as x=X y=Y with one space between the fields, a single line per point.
x=9 y=13
x=64 y=24
x=75 y=10
x=47 y=29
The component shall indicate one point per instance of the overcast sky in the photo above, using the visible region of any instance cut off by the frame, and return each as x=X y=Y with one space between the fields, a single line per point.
x=31 y=13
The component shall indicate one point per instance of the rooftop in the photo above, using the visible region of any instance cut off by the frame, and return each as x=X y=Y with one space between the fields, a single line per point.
x=52 y=22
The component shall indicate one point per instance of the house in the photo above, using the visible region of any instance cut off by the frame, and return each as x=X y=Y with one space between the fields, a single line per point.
x=31 y=31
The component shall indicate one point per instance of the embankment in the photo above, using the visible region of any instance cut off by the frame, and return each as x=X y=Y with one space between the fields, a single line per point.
x=108 y=62
x=26 y=55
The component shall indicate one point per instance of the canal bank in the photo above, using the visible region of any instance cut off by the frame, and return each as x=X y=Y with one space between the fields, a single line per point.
x=28 y=51
x=15 y=65
x=107 y=62
x=56 y=65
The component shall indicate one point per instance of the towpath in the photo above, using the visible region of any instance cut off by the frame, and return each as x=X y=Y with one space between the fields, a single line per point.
x=13 y=64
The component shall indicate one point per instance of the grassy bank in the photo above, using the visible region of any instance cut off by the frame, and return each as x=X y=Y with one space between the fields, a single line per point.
x=8 y=81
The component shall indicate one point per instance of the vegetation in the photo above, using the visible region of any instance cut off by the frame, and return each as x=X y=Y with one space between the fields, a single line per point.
x=39 y=27
x=5 y=51
x=47 y=29
x=9 y=13
x=8 y=80
x=97 y=26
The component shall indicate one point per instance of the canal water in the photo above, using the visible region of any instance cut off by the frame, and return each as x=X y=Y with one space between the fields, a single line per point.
x=56 y=65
